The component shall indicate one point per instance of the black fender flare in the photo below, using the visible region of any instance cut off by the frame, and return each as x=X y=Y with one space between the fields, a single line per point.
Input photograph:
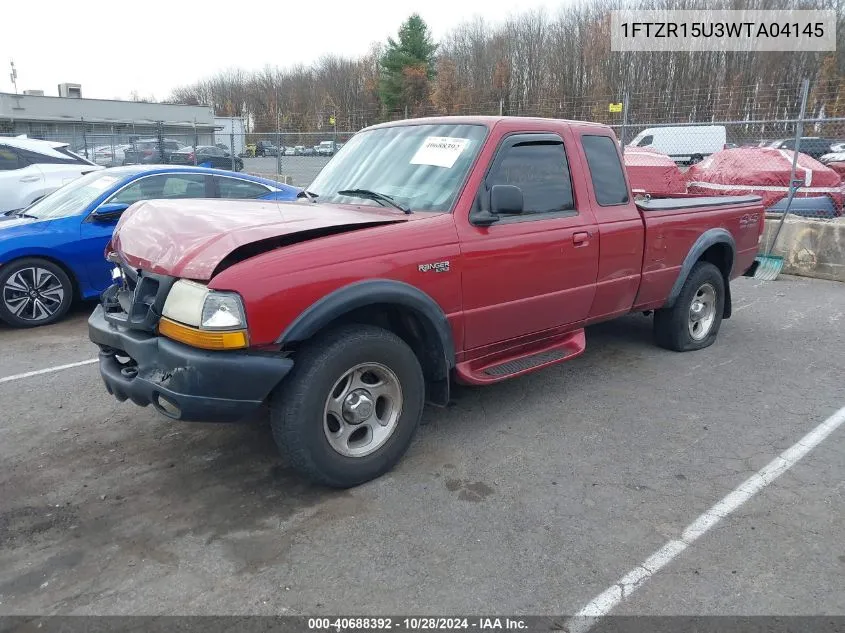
x=372 y=291
x=709 y=238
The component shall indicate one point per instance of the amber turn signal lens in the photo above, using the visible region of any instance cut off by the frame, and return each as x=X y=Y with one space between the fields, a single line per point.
x=203 y=339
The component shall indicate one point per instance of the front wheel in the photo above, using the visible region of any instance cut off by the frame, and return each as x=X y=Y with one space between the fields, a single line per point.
x=351 y=406
x=694 y=321
x=34 y=292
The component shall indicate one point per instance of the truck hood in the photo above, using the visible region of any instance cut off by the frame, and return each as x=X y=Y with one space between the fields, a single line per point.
x=191 y=238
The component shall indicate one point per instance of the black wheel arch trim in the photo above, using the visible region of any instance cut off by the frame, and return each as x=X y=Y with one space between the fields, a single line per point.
x=709 y=238
x=363 y=293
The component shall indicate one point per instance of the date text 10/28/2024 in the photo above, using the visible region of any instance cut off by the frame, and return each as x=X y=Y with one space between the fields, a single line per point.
x=415 y=624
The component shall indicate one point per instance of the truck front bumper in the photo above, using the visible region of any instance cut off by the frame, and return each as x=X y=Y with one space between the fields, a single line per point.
x=182 y=382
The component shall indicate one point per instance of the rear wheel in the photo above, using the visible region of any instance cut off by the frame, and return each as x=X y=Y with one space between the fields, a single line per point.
x=694 y=321
x=351 y=406
x=34 y=291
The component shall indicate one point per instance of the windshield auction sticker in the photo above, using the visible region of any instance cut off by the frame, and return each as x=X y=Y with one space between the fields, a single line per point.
x=440 y=151
x=722 y=30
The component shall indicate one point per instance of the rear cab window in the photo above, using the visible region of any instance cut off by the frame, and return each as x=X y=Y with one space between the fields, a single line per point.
x=606 y=172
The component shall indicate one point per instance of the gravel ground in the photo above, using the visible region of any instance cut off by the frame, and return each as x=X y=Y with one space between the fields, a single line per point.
x=527 y=497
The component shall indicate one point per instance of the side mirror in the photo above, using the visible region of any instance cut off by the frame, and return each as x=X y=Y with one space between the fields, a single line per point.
x=109 y=211
x=506 y=199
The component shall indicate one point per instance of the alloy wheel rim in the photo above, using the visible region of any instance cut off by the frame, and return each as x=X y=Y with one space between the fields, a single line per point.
x=702 y=312
x=362 y=410
x=33 y=294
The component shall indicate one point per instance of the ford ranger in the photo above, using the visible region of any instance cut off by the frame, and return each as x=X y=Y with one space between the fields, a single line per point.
x=428 y=251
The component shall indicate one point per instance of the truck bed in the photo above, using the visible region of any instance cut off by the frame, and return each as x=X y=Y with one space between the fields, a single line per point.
x=694 y=202
x=678 y=227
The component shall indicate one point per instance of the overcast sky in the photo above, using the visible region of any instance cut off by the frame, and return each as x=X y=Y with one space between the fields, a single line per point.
x=113 y=48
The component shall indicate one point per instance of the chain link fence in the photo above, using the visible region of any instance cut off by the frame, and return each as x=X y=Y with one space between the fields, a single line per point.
x=784 y=143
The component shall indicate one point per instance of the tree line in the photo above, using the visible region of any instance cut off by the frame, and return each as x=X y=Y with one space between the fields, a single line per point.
x=533 y=64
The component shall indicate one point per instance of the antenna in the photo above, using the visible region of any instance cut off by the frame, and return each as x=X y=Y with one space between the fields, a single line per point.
x=14 y=75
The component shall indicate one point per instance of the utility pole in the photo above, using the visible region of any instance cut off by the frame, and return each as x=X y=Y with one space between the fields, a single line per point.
x=278 y=139
x=14 y=75
x=624 y=121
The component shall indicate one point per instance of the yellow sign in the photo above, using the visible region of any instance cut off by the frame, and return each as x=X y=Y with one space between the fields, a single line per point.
x=615 y=107
x=331 y=120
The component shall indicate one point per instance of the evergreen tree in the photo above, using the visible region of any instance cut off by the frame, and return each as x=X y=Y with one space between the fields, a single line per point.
x=406 y=63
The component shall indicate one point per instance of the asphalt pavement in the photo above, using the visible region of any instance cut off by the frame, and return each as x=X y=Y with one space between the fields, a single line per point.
x=528 y=497
x=301 y=169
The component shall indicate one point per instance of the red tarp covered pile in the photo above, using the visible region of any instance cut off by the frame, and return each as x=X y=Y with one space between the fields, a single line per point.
x=764 y=172
x=652 y=172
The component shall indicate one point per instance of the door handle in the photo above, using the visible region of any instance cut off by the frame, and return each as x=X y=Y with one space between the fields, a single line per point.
x=581 y=238
x=30 y=178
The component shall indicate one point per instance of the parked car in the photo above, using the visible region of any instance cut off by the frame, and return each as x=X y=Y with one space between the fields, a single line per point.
x=813 y=146
x=299 y=150
x=832 y=157
x=206 y=155
x=52 y=252
x=110 y=155
x=266 y=148
x=325 y=148
x=30 y=169
x=148 y=152
x=687 y=144
x=309 y=151
x=425 y=252
x=290 y=151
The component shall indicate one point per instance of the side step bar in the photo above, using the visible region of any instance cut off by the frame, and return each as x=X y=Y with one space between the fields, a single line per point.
x=522 y=360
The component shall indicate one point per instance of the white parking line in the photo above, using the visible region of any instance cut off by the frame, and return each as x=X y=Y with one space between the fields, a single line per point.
x=605 y=602
x=49 y=370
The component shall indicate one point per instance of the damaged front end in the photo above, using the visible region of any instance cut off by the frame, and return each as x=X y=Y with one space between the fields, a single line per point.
x=179 y=380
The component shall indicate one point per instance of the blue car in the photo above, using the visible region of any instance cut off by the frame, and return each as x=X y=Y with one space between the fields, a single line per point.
x=52 y=252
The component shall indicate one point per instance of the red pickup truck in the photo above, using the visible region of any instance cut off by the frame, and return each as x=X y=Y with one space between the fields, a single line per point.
x=460 y=248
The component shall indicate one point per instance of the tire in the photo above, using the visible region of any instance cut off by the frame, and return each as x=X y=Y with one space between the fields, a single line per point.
x=674 y=327
x=311 y=437
x=53 y=292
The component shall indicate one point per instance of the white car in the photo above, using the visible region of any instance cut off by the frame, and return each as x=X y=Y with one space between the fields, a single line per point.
x=833 y=157
x=30 y=169
x=108 y=155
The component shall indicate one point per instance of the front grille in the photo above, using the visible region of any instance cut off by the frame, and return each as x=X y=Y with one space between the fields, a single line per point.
x=137 y=300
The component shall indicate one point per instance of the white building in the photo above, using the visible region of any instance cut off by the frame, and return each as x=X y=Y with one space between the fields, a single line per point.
x=93 y=122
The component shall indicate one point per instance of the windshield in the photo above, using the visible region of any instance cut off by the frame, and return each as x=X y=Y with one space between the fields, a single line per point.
x=419 y=166
x=74 y=197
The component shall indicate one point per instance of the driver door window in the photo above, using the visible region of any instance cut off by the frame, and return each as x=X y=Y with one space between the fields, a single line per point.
x=9 y=160
x=163 y=186
x=540 y=169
